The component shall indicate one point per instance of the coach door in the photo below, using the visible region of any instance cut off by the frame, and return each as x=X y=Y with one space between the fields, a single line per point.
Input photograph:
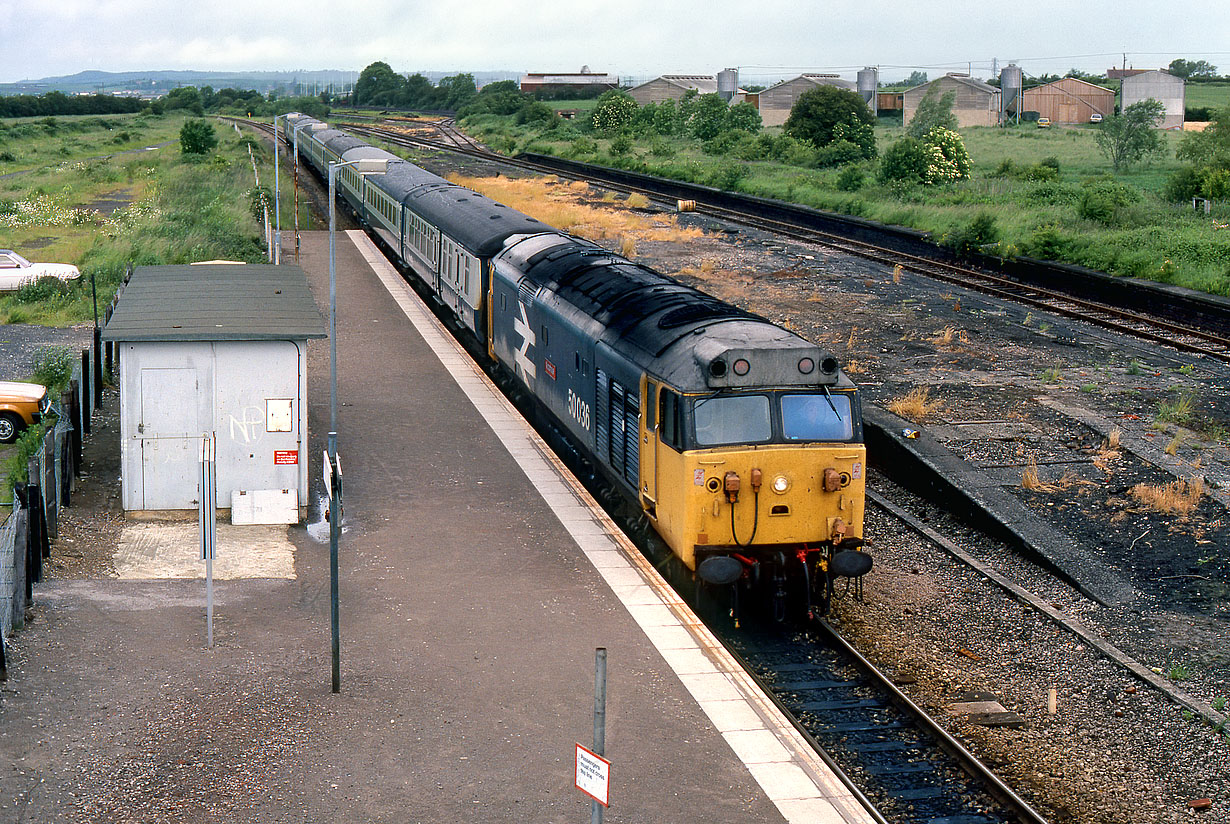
x=649 y=446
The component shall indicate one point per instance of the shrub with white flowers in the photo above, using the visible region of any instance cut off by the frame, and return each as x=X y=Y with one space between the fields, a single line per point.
x=947 y=159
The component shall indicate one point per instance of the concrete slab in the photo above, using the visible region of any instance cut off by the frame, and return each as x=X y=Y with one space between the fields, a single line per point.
x=153 y=551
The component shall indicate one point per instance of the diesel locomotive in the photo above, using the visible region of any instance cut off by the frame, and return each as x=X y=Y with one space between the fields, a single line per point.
x=740 y=442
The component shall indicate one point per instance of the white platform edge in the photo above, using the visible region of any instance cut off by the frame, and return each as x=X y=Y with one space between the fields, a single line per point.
x=798 y=782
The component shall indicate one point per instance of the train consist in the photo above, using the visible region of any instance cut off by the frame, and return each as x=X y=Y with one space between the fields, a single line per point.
x=740 y=441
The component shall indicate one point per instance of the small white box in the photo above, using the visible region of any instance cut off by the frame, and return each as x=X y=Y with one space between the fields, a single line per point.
x=265 y=506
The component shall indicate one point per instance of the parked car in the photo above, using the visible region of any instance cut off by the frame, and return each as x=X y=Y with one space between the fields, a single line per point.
x=16 y=271
x=21 y=405
x=1044 y=122
x=1096 y=117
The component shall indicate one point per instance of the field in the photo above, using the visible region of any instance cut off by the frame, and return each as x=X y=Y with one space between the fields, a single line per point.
x=1211 y=95
x=1140 y=234
x=82 y=194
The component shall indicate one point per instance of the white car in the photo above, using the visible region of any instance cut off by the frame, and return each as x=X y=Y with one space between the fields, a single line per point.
x=16 y=271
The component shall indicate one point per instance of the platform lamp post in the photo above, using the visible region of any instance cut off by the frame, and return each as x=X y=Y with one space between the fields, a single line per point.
x=277 y=197
x=314 y=127
x=366 y=166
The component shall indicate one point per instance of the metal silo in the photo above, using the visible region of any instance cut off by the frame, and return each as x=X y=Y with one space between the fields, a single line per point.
x=728 y=84
x=869 y=87
x=1010 y=100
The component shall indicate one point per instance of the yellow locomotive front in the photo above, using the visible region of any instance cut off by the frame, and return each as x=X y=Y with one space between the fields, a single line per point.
x=758 y=478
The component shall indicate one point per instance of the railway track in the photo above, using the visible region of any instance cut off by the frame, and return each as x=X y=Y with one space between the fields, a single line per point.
x=1184 y=337
x=907 y=765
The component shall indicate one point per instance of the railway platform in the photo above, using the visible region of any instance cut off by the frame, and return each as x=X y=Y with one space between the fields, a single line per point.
x=476 y=583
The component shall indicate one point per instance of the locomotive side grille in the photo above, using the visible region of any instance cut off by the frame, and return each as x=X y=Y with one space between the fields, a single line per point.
x=603 y=429
x=619 y=433
x=632 y=443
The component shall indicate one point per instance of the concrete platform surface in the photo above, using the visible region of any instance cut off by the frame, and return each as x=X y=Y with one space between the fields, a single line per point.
x=475 y=587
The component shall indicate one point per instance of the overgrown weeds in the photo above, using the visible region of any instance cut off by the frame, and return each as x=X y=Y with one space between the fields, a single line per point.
x=1180 y=497
x=916 y=405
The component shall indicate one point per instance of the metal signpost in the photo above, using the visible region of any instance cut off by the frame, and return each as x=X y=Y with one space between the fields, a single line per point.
x=207 y=508
x=277 y=197
x=333 y=485
x=593 y=772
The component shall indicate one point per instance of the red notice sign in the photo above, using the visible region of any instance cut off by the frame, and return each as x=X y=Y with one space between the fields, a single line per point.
x=285 y=457
x=593 y=776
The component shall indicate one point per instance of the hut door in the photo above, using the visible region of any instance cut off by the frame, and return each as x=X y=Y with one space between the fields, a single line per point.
x=170 y=437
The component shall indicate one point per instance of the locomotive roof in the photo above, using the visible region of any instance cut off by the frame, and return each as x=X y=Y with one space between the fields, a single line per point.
x=679 y=330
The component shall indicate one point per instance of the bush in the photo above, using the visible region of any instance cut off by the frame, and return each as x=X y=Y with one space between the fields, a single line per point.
x=53 y=368
x=980 y=231
x=622 y=144
x=1183 y=185
x=1104 y=201
x=1048 y=243
x=851 y=179
x=838 y=153
x=197 y=137
x=614 y=111
x=582 y=147
x=905 y=160
x=727 y=176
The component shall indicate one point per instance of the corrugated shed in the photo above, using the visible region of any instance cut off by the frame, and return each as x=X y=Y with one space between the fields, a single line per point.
x=976 y=103
x=776 y=101
x=216 y=302
x=1069 y=101
x=673 y=87
x=1159 y=85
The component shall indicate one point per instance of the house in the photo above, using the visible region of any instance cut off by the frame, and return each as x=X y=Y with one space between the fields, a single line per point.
x=976 y=103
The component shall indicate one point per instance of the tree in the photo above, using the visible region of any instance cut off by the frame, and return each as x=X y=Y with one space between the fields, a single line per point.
x=934 y=112
x=1132 y=136
x=378 y=85
x=1192 y=69
x=915 y=79
x=744 y=117
x=197 y=137
x=709 y=117
x=818 y=111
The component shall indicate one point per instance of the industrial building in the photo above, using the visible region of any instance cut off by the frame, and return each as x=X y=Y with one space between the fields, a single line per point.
x=976 y=103
x=675 y=86
x=215 y=350
x=1069 y=101
x=775 y=102
x=1161 y=86
x=582 y=81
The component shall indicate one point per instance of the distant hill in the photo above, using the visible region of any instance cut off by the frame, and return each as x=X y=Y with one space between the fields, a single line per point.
x=154 y=83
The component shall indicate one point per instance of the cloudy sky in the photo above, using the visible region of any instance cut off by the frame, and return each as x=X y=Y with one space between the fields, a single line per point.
x=631 y=38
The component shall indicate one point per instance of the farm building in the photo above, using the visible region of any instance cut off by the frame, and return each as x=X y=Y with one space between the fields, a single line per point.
x=776 y=101
x=675 y=86
x=1159 y=85
x=1069 y=101
x=976 y=103
x=581 y=81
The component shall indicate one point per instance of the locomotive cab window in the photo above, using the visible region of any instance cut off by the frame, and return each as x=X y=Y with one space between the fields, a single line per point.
x=816 y=417
x=728 y=419
x=670 y=424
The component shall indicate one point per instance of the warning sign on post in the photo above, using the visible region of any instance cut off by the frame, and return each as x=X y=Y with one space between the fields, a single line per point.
x=593 y=775
x=285 y=457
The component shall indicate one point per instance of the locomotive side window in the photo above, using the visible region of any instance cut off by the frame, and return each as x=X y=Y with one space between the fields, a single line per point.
x=670 y=429
x=732 y=419
x=813 y=418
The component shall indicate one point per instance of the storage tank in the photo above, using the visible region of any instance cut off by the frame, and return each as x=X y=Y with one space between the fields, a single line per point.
x=1010 y=82
x=869 y=86
x=728 y=84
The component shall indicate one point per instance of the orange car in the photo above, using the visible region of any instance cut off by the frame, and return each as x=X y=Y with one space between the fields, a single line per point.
x=21 y=405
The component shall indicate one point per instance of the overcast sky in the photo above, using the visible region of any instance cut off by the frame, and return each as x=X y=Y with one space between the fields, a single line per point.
x=630 y=38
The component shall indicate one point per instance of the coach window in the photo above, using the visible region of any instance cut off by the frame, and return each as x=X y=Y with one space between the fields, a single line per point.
x=669 y=428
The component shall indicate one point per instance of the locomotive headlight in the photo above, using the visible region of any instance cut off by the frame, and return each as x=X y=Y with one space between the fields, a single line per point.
x=742 y=367
x=780 y=484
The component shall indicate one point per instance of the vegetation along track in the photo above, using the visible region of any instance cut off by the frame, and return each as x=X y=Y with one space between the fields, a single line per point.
x=1171 y=319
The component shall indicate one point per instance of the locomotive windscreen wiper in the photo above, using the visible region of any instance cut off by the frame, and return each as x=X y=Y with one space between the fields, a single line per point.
x=832 y=406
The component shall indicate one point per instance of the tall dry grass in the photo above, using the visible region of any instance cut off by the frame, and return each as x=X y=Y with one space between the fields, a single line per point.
x=1179 y=497
x=564 y=207
x=916 y=405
